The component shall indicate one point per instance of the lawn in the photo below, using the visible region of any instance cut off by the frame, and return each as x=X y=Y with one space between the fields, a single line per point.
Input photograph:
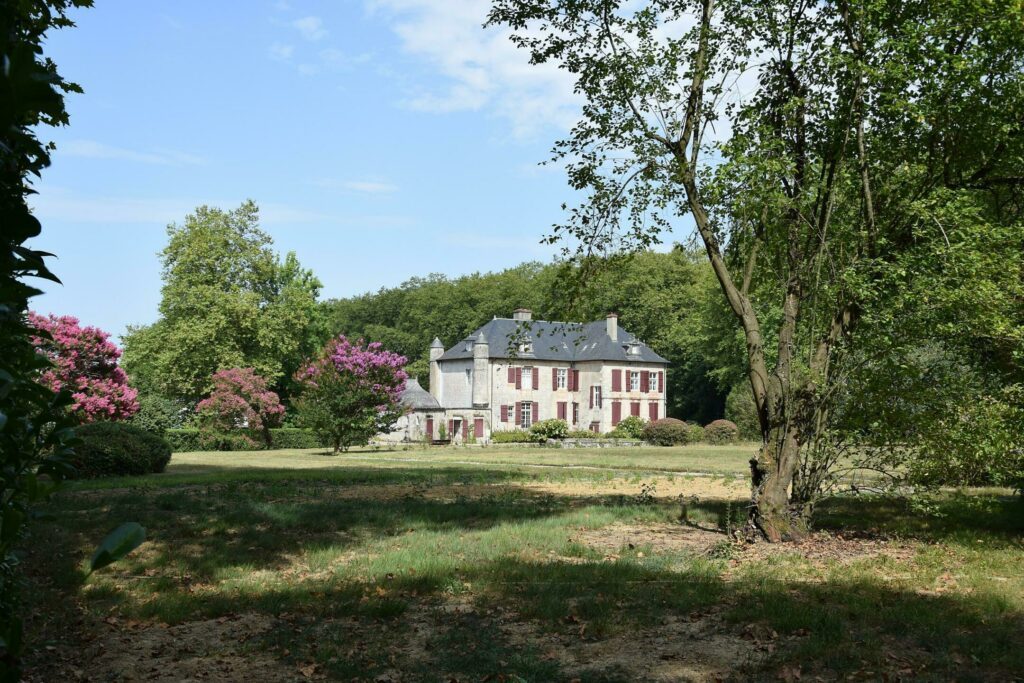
x=514 y=564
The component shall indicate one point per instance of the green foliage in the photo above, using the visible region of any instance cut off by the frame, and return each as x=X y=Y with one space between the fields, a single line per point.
x=694 y=433
x=721 y=432
x=666 y=432
x=740 y=409
x=157 y=414
x=228 y=301
x=583 y=434
x=189 y=440
x=117 y=545
x=631 y=427
x=515 y=436
x=118 y=449
x=550 y=429
x=35 y=427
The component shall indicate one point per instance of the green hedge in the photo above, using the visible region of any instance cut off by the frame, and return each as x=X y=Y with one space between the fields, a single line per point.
x=116 y=449
x=187 y=440
x=515 y=436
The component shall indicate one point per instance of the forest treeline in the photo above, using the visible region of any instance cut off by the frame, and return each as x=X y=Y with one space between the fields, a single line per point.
x=669 y=300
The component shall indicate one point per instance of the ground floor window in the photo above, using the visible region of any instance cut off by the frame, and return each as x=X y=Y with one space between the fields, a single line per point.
x=525 y=414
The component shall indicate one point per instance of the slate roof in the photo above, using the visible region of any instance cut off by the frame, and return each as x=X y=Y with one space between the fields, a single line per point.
x=554 y=341
x=418 y=398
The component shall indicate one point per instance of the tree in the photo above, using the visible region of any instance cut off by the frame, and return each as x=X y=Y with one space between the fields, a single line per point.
x=814 y=192
x=240 y=404
x=351 y=392
x=227 y=302
x=84 y=361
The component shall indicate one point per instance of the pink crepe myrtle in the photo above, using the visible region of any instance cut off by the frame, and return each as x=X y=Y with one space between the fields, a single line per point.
x=85 y=362
x=240 y=402
x=352 y=391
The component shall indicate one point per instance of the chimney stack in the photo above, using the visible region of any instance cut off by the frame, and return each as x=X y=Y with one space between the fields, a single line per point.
x=524 y=314
x=612 y=325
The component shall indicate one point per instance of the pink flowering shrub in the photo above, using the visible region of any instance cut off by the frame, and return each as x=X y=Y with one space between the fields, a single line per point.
x=351 y=392
x=240 y=407
x=85 y=362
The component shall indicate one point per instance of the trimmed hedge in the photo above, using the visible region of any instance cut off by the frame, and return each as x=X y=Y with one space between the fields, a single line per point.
x=666 y=432
x=631 y=427
x=721 y=432
x=187 y=440
x=515 y=436
x=117 y=449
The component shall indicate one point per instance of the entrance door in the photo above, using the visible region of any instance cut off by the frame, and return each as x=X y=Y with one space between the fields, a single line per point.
x=478 y=428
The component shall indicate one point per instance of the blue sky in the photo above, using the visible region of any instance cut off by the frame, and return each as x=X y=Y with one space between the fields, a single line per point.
x=382 y=139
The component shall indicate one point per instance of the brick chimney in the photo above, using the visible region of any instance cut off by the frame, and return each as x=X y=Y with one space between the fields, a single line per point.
x=522 y=314
x=612 y=325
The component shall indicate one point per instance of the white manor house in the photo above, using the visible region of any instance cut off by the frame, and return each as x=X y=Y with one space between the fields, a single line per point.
x=515 y=371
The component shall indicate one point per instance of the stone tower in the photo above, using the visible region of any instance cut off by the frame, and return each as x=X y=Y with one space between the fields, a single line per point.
x=436 y=351
x=481 y=354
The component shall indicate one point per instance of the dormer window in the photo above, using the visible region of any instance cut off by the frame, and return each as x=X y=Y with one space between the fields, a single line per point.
x=633 y=349
x=526 y=347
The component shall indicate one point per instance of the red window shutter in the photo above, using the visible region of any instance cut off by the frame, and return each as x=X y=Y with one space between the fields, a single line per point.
x=634 y=408
x=616 y=413
x=511 y=375
x=554 y=378
x=430 y=428
x=616 y=380
x=561 y=410
x=519 y=378
x=535 y=413
x=661 y=382
x=591 y=397
x=504 y=413
x=575 y=380
x=451 y=429
x=478 y=428
x=465 y=429
x=645 y=381
x=536 y=378
x=519 y=414
x=653 y=410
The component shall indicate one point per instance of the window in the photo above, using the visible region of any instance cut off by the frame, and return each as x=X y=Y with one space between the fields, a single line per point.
x=527 y=377
x=652 y=383
x=597 y=395
x=525 y=414
x=469 y=376
x=634 y=381
x=575 y=413
x=561 y=378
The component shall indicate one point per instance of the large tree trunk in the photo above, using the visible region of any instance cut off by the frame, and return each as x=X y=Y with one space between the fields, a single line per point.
x=771 y=512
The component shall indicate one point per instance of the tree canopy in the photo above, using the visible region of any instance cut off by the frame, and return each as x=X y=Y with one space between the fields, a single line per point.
x=227 y=301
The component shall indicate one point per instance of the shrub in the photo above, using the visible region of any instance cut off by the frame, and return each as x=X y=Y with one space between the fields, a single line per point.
x=515 y=436
x=583 y=434
x=240 y=410
x=116 y=449
x=694 y=433
x=187 y=440
x=157 y=414
x=666 y=432
x=550 y=429
x=721 y=432
x=631 y=427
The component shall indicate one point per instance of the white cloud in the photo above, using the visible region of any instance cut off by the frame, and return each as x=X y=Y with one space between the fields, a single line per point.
x=281 y=52
x=91 y=149
x=484 y=71
x=311 y=28
x=365 y=186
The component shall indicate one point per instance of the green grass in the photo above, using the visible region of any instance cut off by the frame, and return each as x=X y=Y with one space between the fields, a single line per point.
x=369 y=549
